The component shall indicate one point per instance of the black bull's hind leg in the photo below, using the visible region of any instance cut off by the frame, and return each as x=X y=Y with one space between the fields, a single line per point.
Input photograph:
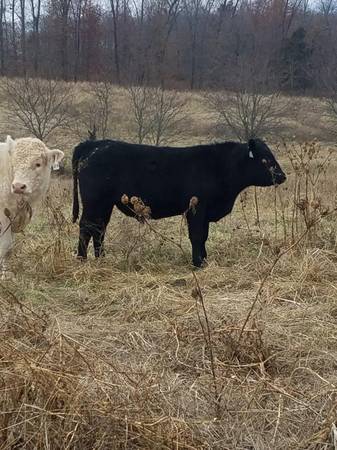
x=198 y=227
x=84 y=239
x=93 y=226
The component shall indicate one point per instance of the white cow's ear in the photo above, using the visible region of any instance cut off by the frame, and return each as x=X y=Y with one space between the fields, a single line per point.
x=10 y=143
x=55 y=156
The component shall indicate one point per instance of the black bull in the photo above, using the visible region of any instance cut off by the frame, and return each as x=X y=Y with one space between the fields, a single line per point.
x=166 y=179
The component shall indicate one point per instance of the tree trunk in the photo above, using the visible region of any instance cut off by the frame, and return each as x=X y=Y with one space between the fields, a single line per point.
x=15 y=53
x=115 y=14
x=2 y=47
x=64 y=38
x=23 y=36
x=78 y=16
x=36 y=13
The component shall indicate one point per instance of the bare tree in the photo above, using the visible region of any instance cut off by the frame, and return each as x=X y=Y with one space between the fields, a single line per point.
x=93 y=115
x=328 y=81
x=255 y=108
x=77 y=11
x=167 y=116
x=163 y=15
x=332 y=107
x=328 y=7
x=39 y=106
x=192 y=8
x=246 y=115
x=157 y=114
x=329 y=11
x=60 y=11
x=140 y=102
x=102 y=93
x=290 y=10
x=197 y=13
x=331 y=110
x=13 y=30
x=139 y=8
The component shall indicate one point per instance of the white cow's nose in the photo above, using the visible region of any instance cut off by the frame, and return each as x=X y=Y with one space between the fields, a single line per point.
x=18 y=188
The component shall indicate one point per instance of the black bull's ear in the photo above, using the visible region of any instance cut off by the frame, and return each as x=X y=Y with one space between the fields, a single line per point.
x=252 y=144
x=251 y=147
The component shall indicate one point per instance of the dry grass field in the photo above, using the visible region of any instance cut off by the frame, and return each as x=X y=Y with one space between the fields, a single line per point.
x=139 y=351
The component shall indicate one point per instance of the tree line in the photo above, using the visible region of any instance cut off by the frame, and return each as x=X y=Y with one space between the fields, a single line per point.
x=288 y=45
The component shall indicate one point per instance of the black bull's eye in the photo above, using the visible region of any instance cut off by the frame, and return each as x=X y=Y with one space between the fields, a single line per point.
x=273 y=170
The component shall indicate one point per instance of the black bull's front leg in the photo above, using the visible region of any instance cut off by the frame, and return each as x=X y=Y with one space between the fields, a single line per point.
x=198 y=227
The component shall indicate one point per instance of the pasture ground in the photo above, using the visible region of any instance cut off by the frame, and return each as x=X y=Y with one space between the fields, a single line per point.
x=120 y=353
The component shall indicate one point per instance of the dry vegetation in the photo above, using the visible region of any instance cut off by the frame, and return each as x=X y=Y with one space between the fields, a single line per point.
x=137 y=351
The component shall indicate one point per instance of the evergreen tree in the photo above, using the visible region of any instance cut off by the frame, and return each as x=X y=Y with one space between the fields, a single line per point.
x=295 y=60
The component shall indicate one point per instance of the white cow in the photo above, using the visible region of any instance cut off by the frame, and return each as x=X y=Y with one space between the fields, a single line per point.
x=25 y=167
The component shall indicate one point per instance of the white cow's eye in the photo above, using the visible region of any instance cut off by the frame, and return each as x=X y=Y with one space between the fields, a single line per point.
x=38 y=165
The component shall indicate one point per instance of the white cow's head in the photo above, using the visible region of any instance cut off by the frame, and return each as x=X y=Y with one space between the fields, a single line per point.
x=31 y=163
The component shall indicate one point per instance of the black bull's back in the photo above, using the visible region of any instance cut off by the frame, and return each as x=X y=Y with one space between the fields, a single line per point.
x=165 y=179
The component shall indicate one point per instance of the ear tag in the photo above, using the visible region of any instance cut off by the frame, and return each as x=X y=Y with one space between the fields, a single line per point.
x=251 y=154
x=56 y=165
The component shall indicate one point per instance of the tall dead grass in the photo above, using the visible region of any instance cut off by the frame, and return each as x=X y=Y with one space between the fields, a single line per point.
x=113 y=353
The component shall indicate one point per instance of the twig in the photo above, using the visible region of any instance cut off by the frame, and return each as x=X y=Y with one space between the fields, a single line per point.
x=278 y=419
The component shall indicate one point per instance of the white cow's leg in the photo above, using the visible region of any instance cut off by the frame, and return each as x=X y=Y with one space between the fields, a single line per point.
x=6 y=244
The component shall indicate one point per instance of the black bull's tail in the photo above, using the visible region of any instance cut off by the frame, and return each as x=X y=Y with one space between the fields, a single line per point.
x=76 y=206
